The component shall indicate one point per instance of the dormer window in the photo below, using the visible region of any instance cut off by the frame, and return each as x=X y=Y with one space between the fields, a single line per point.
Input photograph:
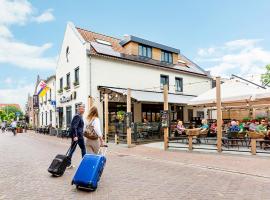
x=166 y=57
x=145 y=51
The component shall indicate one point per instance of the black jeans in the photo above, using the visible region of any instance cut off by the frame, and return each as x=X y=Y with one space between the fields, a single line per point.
x=81 y=144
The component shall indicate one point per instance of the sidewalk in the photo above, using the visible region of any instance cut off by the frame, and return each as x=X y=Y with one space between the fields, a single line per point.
x=230 y=163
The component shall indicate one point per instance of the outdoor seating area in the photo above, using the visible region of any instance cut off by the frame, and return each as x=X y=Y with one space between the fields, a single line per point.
x=62 y=133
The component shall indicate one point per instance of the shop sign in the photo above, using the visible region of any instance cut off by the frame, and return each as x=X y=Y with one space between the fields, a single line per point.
x=35 y=101
x=128 y=119
x=164 y=118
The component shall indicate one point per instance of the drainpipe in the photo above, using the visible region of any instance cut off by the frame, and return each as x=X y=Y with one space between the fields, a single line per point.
x=90 y=74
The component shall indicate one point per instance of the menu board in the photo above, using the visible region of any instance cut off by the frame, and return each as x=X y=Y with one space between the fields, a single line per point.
x=164 y=118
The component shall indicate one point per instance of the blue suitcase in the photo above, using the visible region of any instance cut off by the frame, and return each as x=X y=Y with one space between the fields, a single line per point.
x=89 y=171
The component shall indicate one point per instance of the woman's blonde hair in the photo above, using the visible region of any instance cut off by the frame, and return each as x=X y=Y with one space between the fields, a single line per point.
x=92 y=113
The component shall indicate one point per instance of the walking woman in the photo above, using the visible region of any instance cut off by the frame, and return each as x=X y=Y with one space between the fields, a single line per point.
x=95 y=140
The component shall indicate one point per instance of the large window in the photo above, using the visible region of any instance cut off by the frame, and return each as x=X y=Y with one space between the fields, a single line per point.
x=50 y=116
x=145 y=51
x=50 y=94
x=68 y=115
x=61 y=83
x=166 y=57
x=178 y=84
x=46 y=118
x=68 y=80
x=164 y=79
x=77 y=73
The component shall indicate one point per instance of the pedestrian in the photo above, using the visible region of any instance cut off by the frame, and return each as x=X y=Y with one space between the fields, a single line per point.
x=13 y=127
x=93 y=132
x=3 y=126
x=76 y=132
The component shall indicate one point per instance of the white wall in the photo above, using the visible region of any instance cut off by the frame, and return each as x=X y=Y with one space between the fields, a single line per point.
x=77 y=58
x=114 y=73
x=47 y=107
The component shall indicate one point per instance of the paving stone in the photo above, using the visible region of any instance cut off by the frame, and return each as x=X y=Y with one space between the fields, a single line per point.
x=137 y=173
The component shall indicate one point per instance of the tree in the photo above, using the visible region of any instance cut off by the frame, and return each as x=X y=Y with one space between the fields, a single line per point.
x=265 y=78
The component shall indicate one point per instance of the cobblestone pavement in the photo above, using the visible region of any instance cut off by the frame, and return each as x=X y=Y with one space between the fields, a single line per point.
x=136 y=173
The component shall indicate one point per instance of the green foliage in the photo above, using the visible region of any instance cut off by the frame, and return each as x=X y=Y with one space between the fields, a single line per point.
x=8 y=113
x=265 y=78
x=121 y=115
x=246 y=119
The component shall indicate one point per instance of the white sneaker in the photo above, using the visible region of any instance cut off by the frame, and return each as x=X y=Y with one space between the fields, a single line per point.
x=71 y=166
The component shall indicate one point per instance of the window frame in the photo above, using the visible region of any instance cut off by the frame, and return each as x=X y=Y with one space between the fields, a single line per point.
x=162 y=86
x=68 y=80
x=166 y=56
x=61 y=83
x=181 y=80
x=147 y=49
x=77 y=76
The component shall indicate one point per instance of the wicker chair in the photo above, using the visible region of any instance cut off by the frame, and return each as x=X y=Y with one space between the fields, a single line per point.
x=255 y=135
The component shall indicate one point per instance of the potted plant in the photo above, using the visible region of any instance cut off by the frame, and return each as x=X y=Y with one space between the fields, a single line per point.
x=120 y=116
x=66 y=88
x=60 y=91
x=75 y=83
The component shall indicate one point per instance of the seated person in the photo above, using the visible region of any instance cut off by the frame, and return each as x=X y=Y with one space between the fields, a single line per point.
x=252 y=125
x=180 y=129
x=204 y=129
x=213 y=128
x=234 y=127
x=262 y=128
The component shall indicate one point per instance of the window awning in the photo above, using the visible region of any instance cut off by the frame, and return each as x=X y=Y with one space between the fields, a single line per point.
x=152 y=96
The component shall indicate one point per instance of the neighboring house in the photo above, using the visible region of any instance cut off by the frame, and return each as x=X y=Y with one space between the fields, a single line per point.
x=91 y=64
x=29 y=110
x=3 y=105
x=47 y=105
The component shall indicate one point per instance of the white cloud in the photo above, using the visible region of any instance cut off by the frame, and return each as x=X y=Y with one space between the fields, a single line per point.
x=25 y=55
x=15 y=12
x=12 y=51
x=242 y=57
x=5 y=32
x=8 y=80
x=16 y=95
x=45 y=17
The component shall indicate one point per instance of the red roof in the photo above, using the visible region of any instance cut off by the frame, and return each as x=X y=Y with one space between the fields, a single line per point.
x=2 y=105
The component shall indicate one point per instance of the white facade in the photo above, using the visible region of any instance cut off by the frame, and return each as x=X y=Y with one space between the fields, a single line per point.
x=47 y=109
x=97 y=71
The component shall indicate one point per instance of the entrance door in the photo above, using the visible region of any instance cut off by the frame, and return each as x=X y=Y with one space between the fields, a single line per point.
x=190 y=114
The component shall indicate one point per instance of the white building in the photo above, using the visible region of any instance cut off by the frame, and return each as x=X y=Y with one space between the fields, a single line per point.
x=47 y=105
x=91 y=63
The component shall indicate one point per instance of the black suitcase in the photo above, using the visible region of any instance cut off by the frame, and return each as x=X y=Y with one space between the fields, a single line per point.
x=60 y=163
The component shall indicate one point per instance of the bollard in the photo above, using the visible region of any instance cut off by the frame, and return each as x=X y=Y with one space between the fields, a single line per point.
x=253 y=146
x=190 y=140
x=116 y=139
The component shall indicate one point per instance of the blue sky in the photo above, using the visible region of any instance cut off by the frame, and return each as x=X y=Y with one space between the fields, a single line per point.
x=222 y=36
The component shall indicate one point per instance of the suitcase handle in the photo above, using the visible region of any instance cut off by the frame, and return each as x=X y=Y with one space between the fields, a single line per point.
x=104 y=151
x=70 y=149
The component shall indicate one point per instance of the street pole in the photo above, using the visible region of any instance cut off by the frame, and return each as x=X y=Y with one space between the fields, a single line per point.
x=106 y=99
x=128 y=111
x=166 y=108
x=219 y=114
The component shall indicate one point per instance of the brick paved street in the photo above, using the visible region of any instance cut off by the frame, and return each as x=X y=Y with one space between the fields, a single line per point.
x=136 y=173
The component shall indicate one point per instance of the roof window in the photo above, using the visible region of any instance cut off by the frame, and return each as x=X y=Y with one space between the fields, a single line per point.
x=103 y=42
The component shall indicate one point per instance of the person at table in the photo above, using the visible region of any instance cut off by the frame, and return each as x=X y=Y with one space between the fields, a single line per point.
x=252 y=125
x=234 y=127
x=241 y=126
x=262 y=128
x=180 y=129
x=204 y=128
x=213 y=128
